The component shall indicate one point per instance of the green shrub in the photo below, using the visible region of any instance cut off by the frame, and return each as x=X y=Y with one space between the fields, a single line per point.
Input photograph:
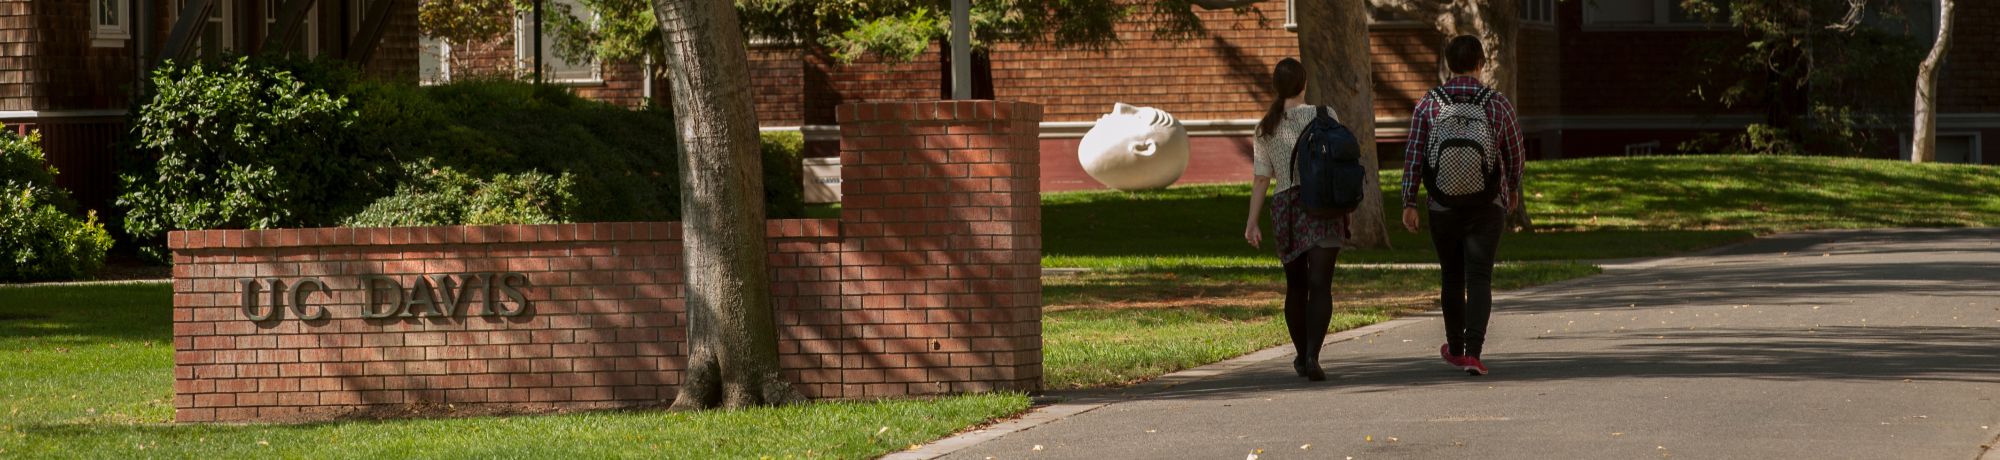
x=238 y=145
x=784 y=163
x=444 y=196
x=38 y=239
x=286 y=142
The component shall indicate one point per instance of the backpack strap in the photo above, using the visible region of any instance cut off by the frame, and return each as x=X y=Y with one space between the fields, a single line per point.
x=1439 y=95
x=1486 y=94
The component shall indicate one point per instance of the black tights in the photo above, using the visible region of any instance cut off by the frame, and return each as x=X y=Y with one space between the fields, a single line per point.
x=1309 y=299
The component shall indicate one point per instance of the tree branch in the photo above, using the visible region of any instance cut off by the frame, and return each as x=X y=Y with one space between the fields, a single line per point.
x=1856 y=10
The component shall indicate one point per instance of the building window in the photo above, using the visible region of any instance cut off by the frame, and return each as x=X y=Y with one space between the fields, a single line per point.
x=1538 y=11
x=305 y=39
x=1291 y=16
x=433 y=60
x=1640 y=13
x=1951 y=147
x=357 y=15
x=216 y=38
x=556 y=69
x=110 y=22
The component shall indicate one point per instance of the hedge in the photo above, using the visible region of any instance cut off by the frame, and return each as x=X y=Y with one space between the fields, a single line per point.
x=40 y=238
x=270 y=143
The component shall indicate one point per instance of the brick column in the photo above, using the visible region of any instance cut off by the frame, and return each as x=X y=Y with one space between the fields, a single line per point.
x=941 y=258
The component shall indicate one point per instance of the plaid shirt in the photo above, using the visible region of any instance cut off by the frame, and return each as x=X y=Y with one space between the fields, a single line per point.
x=1506 y=130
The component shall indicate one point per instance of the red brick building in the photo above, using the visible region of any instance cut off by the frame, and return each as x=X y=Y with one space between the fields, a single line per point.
x=1597 y=78
x=68 y=67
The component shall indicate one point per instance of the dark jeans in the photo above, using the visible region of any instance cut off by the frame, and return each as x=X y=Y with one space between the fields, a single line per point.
x=1466 y=240
x=1309 y=299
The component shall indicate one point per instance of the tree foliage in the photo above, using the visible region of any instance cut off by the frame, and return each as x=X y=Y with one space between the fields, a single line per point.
x=849 y=29
x=1822 y=87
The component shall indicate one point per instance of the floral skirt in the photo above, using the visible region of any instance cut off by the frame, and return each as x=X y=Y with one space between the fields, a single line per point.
x=1296 y=232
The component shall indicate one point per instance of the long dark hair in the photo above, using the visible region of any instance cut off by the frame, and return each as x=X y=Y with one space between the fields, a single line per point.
x=1288 y=79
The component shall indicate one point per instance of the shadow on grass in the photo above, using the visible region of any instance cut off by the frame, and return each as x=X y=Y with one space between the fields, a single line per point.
x=80 y=315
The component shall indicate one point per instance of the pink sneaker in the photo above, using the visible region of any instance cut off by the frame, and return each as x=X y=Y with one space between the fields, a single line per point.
x=1454 y=361
x=1473 y=366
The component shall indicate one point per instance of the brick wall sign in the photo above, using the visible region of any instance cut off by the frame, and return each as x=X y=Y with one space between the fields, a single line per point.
x=928 y=283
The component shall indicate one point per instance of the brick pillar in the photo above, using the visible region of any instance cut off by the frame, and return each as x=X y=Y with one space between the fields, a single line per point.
x=942 y=244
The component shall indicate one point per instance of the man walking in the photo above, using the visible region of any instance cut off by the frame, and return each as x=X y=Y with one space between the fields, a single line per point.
x=1465 y=145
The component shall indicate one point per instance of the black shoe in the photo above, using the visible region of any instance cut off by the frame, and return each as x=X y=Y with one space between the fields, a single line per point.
x=1299 y=364
x=1313 y=372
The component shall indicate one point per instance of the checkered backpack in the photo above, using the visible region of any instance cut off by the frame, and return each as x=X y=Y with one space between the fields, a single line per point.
x=1462 y=163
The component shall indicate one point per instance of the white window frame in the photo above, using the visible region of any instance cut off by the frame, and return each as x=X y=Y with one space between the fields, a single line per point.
x=432 y=46
x=112 y=35
x=1663 y=12
x=524 y=57
x=223 y=22
x=1546 y=8
x=1291 y=18
x=311 y=23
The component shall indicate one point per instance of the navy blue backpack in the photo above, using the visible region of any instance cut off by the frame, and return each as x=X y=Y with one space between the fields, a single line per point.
x=1326 y=164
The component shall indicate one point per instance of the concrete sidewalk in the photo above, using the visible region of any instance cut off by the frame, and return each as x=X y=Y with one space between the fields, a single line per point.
x=1850 y=344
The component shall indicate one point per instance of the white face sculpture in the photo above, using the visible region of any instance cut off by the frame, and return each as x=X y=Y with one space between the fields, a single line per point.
x=1135 y=148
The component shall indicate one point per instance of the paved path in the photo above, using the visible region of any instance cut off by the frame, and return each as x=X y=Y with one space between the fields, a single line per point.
x=1857 y=344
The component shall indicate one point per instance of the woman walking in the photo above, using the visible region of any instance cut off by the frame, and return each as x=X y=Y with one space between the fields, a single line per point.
x=1307 y=245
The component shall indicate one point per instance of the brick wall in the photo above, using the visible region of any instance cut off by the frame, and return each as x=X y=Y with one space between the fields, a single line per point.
x=1222 y=76
x=20 y=87
x=929 y=283
x=779 y=76
x=92 y=77
x=395 y=57
x=1971 y=78
x=1626 y=72
x=830 y=84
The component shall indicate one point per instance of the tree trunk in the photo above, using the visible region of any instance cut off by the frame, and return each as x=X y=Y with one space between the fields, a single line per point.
x=1498 y=25
x=732 y=337
x=1333 y=43
x=1923 y=142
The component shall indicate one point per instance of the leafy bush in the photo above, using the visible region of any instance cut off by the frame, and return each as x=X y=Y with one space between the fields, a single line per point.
x=286 y=143
x=784 y=163
x=237 y=145
x=38 y=239
x=444 y=196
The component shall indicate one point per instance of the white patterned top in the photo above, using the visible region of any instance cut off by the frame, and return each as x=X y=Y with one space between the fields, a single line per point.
x=1271 y=156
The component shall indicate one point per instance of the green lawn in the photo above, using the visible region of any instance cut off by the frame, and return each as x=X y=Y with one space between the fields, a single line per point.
x=1589 y=209
x=88 y=373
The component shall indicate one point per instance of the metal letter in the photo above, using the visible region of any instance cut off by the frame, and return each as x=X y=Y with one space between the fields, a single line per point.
x=422 y=294
x=513 y=291
x=304 y=290
x=374 y=285
x=250 y=288
x=452 y=297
